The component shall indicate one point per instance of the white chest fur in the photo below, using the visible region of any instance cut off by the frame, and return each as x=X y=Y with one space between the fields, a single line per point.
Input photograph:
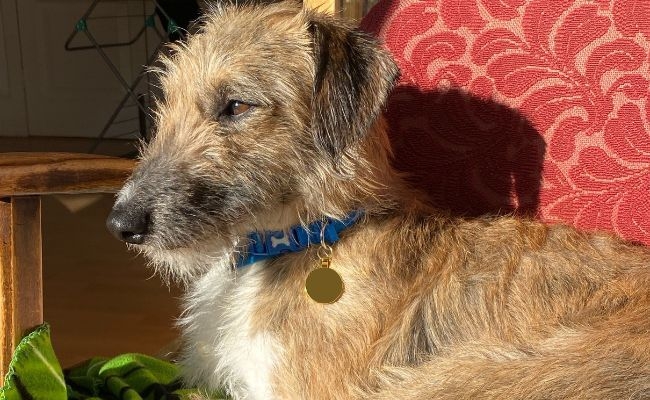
x=220 y=349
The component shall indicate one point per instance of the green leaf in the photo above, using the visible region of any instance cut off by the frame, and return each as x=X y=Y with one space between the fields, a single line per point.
x=34 y=371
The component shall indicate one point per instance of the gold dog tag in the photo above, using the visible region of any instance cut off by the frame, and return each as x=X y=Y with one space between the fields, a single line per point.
x=324 y=285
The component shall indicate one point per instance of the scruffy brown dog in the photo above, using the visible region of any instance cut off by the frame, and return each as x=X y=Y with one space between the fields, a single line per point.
x=269 y=132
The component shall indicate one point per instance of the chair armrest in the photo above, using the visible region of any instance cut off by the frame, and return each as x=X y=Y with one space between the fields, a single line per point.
x=23 y=178
x=24 y=174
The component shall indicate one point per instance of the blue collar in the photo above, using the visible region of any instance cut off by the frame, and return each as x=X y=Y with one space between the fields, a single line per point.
x=269 y=244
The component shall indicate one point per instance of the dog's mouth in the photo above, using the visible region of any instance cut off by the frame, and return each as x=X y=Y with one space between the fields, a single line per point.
x=178 y=233
x=141 y=228
x=172 y=221
x=183 y=263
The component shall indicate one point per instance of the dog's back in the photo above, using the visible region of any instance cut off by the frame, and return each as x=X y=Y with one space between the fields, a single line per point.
x=515 y=309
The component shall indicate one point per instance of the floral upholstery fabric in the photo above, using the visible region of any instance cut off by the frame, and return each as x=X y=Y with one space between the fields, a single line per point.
x=534 y=107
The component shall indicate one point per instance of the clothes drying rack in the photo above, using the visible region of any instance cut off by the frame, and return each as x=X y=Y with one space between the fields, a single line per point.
x=142 y=99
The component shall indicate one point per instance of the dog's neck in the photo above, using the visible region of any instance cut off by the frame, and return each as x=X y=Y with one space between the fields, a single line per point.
x=365 y=178
x=270 y=244
x=366 y=181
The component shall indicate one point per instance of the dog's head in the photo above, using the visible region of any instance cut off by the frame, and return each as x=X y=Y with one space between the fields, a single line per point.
x=262 y=107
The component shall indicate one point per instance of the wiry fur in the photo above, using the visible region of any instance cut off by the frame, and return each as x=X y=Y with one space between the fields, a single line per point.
x=434 y=308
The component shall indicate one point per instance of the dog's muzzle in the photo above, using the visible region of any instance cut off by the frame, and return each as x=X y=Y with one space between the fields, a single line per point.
x=129 y=224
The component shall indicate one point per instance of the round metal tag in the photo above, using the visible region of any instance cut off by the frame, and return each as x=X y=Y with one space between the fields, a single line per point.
x=324 y=285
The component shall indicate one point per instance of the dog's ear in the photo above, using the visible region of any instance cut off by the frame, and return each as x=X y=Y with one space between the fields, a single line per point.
x=353 y=78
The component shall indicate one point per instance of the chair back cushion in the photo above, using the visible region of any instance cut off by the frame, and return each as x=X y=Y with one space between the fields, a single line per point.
x=533 y=107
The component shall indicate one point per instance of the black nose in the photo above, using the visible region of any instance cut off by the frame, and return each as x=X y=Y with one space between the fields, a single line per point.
x=128 y=224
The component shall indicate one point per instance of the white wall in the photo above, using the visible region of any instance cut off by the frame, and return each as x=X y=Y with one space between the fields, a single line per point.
x=47 y=91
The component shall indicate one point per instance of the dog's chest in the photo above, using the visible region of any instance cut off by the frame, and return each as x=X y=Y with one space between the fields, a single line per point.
x=223 y=351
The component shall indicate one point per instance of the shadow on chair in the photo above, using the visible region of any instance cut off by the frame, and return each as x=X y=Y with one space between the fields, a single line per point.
x=471 y=156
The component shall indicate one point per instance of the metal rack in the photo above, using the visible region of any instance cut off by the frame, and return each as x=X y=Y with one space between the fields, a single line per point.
x=139 y=93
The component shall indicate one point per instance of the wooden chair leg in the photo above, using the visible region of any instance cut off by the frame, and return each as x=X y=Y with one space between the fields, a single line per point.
x=21 y=280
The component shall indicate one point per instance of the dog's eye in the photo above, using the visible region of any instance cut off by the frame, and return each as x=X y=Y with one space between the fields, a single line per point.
x=235 y=108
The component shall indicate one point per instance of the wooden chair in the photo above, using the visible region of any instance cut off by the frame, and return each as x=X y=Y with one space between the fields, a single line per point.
x=24 y=177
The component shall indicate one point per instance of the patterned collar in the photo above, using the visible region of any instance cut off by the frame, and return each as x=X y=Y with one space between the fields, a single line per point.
x=270 y=244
